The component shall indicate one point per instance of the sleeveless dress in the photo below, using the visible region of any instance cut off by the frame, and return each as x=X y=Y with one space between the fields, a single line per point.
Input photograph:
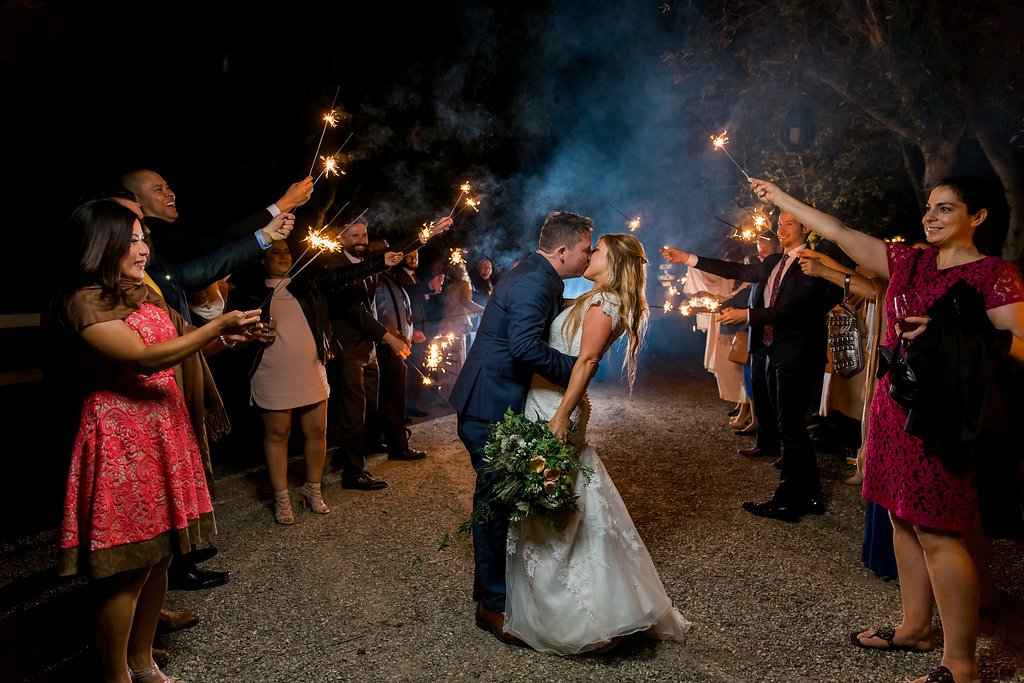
x=575 y=590
x=897 y=474
x=136 y=491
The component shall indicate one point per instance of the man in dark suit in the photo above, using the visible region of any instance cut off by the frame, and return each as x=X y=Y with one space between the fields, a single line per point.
x=179 y=243
x=511 y=345
x=787 y=322
x=353 y=373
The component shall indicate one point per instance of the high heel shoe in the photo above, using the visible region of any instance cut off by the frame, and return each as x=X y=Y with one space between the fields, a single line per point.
x=311 y=498
x=283 y=508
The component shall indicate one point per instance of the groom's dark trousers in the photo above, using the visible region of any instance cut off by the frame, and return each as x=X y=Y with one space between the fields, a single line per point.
x=511 y=345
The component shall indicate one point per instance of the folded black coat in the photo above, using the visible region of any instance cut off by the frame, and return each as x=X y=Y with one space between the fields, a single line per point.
x=961 y=383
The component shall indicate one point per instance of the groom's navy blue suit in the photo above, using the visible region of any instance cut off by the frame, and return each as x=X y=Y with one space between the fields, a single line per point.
x=511 y=345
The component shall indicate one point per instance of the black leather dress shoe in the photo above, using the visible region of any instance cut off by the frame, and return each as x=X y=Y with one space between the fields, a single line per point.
x=756 y=452
x=773 y=509
x=408 y=454
x=815 y=505
x=364 y=482
x=196 y=578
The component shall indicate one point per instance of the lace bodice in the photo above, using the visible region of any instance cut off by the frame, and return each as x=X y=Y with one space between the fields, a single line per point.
x=545 y=396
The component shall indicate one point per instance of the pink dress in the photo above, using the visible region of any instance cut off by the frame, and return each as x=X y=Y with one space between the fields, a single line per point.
x=136 y=491
x=897 y=474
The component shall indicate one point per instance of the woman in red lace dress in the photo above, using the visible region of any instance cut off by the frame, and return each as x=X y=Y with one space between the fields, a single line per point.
x=931 y=506
x=136 y=492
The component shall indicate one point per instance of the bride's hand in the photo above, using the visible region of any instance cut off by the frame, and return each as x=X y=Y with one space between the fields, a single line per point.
x=559 y=426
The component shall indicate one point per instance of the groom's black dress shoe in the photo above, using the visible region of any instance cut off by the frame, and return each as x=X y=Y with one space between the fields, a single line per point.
x=364 y=482
x=495 y=623
x=785 y=511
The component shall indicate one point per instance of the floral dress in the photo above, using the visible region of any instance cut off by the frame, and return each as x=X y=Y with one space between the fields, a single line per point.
x=897 y=474
x=136 y=491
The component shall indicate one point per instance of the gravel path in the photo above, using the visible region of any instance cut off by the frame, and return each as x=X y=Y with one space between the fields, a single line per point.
x=365 y=593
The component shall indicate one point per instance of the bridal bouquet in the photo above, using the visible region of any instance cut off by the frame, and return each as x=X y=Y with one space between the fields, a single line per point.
x=536 y=472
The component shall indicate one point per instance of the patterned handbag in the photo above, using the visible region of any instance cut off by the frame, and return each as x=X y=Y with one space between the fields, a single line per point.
x=844 y=337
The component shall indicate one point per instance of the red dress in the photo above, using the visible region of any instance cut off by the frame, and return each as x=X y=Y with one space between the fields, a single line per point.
x=897 y=474
x=136 y=490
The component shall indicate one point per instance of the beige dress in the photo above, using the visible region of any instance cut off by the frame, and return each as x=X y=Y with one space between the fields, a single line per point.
x=290 y=374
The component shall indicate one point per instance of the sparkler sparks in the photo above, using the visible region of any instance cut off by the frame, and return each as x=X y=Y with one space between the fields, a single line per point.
x=330 y=167
x=634 y=224
x=719 y=142
x=456 y=257
x=331 y=118
x=316 y=240
x=426 y=233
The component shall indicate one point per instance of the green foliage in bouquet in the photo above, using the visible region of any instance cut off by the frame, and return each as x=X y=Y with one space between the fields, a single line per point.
x=536 y=473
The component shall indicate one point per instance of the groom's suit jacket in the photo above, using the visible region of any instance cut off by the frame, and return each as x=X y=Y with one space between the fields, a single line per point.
x=511 y=343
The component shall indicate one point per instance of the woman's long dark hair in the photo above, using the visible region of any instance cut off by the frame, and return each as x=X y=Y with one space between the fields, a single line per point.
x=98 y=238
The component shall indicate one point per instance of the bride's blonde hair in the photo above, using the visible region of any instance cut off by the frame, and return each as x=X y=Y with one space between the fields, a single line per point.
x=626 y=279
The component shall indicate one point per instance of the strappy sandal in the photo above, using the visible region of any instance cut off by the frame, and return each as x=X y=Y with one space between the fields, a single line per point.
x=940 y=674
x=887 y=634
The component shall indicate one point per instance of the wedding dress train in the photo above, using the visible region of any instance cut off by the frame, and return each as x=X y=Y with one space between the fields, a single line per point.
x=576 y=589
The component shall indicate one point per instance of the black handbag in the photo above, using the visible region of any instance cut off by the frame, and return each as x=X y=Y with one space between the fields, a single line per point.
x=844 y=337
x=904 y=385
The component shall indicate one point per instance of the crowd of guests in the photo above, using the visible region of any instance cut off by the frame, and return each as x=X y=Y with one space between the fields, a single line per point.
x=157 y=324
x=146 y=312
x=950 y=320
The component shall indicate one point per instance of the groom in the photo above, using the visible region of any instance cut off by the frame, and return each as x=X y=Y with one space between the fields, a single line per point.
x=511 y=345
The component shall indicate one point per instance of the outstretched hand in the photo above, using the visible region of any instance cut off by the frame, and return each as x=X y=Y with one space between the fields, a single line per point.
x=766 y=191
x=440 y=225
x=296 y=195
x=673 y=255
x=393 y=258
x=235 y=322
x=279 y=227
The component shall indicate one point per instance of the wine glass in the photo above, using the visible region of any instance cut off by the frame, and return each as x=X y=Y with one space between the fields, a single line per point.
x=907 y=305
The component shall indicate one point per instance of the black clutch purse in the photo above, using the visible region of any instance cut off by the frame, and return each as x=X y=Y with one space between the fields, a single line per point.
x=904 y=385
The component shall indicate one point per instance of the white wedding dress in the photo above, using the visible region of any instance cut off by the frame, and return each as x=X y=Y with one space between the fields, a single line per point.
x=574 y=590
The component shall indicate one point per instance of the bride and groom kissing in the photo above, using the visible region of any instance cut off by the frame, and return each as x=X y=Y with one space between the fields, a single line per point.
x=581 y=587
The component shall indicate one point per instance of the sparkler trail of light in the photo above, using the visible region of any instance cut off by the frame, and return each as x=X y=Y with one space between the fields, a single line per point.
x=330 y=119
x=338 y=151
x=719 y=142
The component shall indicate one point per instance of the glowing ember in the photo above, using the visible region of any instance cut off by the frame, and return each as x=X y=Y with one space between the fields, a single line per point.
x=473 y=204
x=456 y=257
x=330 y=165
x=634 y=224
x=465 y=186
x=427 y=381
x=426 y=233
x=760 y=222
x=668 y=307
x=684 y=309
x=720 y=141
x=331 y=118
x=316 y=240
x=434 y=358
x=672 y=291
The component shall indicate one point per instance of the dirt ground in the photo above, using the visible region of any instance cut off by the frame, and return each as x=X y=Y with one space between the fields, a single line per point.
x=366 y=593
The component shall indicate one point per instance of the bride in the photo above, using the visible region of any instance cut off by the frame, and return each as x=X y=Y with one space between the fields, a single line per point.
x=580 y=589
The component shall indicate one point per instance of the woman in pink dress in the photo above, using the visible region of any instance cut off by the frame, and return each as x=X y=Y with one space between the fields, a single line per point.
x=136 y=493
x=931 y=506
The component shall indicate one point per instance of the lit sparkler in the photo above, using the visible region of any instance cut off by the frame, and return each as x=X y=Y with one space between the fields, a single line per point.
x=632 y=223
x=464 y=189
x=426 y=233
x=330 y=119
x=471 y=203
x=330 y=167
x=456 y=257
x=314 y=239
x=719 y=142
